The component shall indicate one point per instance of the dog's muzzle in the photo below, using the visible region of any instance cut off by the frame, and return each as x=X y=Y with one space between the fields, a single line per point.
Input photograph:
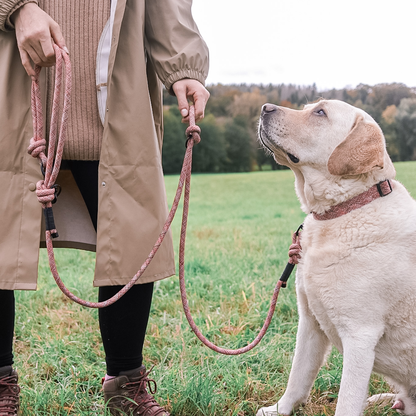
x=268 y=111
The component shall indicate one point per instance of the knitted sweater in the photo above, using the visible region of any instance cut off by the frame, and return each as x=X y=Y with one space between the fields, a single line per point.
x=82 y=23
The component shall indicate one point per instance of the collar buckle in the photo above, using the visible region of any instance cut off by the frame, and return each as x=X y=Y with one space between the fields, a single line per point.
x=384 y=188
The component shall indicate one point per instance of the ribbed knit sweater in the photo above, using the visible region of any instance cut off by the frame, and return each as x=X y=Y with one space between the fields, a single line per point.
x=82 y=23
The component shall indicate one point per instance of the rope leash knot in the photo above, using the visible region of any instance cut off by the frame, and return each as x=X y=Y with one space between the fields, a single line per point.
x=295 y=248
x=45 y=195
x=37 y=147
x=193 y=131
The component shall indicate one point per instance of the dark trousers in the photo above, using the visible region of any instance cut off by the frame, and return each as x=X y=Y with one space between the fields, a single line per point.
x=123 y=325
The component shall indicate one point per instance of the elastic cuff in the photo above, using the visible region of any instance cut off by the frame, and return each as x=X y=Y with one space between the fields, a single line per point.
x=183 y=74
x=8 y=25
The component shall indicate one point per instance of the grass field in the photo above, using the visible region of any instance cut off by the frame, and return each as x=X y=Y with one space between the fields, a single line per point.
x=239 y=231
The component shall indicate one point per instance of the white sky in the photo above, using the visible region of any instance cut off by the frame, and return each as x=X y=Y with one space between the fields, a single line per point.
x=334 y=43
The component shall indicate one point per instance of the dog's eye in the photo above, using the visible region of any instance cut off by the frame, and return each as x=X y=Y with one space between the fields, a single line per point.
x=320 y=112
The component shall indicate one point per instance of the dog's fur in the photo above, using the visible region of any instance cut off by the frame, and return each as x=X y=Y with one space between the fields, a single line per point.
x=356 y=279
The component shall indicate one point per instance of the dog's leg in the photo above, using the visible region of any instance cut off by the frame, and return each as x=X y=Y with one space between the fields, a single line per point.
x=358 y=361
x=312 y=346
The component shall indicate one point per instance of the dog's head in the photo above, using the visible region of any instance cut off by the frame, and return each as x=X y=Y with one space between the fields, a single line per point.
x=335 y=150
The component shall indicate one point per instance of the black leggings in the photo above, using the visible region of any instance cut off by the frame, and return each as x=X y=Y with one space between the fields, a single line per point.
x=123 y=325
x=6 y=327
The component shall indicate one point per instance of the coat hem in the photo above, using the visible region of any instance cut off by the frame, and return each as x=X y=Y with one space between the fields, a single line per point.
x=17 y=286
x=70 y=244
x=124 y=280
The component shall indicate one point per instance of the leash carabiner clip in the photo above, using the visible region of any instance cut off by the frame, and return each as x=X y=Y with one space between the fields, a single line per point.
x=58 y=190
x=289 y=266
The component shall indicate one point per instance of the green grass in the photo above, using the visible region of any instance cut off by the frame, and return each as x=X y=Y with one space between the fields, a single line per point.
x=239 y=231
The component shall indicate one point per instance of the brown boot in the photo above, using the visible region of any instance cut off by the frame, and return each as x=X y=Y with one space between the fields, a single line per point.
x=9 y=392
x=127 y=394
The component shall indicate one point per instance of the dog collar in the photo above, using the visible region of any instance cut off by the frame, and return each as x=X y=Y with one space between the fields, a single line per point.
x=378 y=190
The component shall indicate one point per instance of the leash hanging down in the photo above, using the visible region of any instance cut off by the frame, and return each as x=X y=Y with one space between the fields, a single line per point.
x=47 y=192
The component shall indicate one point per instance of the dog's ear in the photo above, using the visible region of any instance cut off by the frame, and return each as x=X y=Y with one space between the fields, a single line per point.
x=360 y=152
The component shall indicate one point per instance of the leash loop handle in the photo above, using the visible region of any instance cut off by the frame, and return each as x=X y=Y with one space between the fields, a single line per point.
x=47 y=191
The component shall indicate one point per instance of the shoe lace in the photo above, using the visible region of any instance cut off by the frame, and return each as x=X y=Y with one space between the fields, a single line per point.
x=141 y=399
x=9 y=396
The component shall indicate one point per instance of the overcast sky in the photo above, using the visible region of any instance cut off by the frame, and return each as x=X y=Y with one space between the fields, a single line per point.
x=334 y=43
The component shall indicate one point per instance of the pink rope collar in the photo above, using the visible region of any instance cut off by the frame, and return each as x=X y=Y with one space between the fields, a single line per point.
x=379 y=190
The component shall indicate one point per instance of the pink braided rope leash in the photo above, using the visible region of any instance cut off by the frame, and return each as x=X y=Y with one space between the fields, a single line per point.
x=45 y=190
x=46 y=193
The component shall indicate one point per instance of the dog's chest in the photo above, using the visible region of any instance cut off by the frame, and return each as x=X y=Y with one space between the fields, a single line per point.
x=327 y=251
x=330 y=272
x=331 y=248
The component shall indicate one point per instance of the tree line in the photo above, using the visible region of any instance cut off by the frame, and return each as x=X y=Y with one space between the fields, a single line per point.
x=229 y=129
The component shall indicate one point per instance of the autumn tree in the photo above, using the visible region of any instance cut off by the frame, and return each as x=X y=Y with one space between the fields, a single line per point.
x=210 y=154
x=388 y=125
x=383 y=95
x=249 y=106
x=406 y=128
x=238 y=145
x=173 y=140
x=221 y=99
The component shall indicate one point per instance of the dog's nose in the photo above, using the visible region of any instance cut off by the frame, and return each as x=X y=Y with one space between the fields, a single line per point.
x=269 y=108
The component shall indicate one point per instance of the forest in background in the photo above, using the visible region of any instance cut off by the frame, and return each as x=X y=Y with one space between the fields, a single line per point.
x=229 y=129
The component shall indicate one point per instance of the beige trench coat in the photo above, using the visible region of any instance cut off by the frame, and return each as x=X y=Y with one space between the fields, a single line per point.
x=152 y=41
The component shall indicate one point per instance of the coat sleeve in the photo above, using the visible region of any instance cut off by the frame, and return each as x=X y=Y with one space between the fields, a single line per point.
x=7 y=8
x=173 y=42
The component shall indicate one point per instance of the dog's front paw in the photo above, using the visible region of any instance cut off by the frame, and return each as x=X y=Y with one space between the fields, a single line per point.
x=279 y=409
x=268 y=411
x=285 y=407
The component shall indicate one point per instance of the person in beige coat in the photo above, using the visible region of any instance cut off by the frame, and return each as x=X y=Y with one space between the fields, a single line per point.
x=113 y=198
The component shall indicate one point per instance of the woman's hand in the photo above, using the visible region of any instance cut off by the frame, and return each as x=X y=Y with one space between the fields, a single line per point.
x=35 y=33
x=196 y=92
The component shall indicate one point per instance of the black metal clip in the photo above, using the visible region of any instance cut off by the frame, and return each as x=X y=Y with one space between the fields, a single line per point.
x=50 y=221
x=289 y=266
x=58 y=190
x=298 y=230
x=286 y=273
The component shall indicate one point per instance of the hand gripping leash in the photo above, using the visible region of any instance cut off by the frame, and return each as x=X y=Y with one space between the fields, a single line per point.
x=46 y=193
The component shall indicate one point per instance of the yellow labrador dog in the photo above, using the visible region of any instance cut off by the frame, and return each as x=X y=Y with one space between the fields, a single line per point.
x=356 y=277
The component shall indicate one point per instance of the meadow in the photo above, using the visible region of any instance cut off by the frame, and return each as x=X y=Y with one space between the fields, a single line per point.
x=239 y=232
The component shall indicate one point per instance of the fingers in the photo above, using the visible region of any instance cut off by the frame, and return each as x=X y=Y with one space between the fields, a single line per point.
x=194 y=91
x=40 y=51
x=180 y=90
x=58 y=37
x=24 y=56
x=200 y=101
x=36 y=32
